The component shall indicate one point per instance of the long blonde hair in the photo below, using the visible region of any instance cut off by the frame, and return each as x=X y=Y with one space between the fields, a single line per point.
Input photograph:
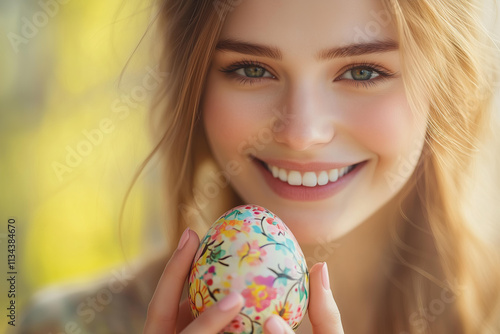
x=447 y=57
x=446 y=278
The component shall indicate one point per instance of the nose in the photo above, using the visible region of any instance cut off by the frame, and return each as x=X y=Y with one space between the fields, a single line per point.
x=305 y=120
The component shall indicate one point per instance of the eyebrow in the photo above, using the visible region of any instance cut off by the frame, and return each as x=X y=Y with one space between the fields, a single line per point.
x=350 y=50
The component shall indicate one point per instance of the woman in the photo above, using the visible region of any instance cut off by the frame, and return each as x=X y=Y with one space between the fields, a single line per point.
x=357 y=123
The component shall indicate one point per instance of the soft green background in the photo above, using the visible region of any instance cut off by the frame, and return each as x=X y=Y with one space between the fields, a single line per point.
x=58 y=82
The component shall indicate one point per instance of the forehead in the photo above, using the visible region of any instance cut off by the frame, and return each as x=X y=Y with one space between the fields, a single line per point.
x=304 y=26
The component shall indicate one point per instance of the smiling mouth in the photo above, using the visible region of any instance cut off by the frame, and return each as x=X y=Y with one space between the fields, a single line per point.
x=308 y=179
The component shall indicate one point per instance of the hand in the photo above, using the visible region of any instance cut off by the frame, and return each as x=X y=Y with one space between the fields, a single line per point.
x=166 y=315
x=322 y=310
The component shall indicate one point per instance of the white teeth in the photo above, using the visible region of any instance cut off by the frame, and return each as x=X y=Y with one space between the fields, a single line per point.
x=322 y=178
x=275 y=171
x=294 y=178
x=283 y=175
x=309 y=179
x=333 y=175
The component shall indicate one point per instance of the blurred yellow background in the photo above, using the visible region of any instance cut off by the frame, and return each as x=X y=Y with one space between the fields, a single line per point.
x=73 y=131
x=72 y=136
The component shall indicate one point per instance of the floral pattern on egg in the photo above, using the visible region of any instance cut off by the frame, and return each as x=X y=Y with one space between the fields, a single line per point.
x=250 y=250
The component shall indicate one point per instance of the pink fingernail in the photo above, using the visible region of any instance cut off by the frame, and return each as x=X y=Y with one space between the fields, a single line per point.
x=324 y=277
x=229 y=301
x=184 y=238
x=273 y=326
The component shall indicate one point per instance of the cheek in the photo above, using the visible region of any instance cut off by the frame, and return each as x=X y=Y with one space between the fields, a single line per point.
x=231 y=120
x=385 y=125
x=237 y=120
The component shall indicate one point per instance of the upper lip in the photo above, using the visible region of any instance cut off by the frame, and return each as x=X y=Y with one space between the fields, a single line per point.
x=305 y=166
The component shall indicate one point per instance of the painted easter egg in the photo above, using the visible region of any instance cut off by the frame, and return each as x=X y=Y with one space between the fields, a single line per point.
x=251 y=251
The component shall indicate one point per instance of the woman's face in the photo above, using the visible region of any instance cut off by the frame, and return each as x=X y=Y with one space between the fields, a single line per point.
x=305 y=104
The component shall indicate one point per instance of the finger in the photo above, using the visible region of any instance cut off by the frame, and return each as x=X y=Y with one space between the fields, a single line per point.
x=218 y=316
x=164 y=306
x=276 y=325
x=185 y=316
x=323 y=311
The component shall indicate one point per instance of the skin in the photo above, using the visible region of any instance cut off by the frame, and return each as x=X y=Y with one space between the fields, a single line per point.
x=328 y=119
x=331 y=117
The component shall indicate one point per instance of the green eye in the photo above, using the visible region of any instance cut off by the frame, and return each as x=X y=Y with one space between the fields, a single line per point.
x=247 y=72
x=254 y=71
x=360 y=74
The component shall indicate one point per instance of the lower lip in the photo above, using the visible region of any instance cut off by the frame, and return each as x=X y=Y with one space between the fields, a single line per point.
x=303 y=193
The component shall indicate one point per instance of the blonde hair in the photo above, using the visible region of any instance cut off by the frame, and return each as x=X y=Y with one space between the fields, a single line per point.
x=446 y=59
x=445 y=42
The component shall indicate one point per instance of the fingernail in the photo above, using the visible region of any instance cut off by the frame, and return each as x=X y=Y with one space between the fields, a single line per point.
x=274 y=326
x=230 y=301
x=184 y=238
x=325 y=279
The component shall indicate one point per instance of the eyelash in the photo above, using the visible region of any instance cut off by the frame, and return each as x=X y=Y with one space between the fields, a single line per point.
x=383 y=74
x=231 y=69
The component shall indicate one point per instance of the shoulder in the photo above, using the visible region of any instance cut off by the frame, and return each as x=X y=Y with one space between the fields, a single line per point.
x=113 y=303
